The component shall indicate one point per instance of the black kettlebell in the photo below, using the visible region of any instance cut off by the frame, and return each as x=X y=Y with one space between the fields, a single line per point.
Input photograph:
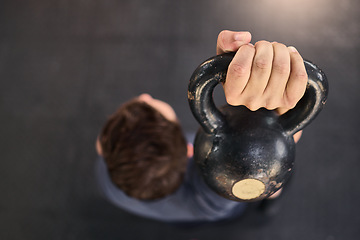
x=247 y=155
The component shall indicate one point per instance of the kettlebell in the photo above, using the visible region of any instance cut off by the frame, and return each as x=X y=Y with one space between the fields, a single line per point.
x=246 y=155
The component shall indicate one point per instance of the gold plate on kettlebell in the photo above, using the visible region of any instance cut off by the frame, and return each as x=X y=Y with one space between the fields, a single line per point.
x=248 y=189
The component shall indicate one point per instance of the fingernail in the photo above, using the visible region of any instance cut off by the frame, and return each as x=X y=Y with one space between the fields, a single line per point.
x=250 y=44
x=292 y=49
x=243 y=36
x=239 y=36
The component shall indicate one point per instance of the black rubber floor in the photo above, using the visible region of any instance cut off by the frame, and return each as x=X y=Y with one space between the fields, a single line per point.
x=66 y=65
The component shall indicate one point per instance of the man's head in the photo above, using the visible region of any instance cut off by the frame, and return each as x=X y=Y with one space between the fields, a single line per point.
x=144 y=148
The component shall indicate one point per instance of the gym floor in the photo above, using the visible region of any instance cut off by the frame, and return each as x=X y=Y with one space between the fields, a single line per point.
x=66 y=65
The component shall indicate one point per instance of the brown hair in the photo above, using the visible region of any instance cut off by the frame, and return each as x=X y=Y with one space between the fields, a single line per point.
x=145 y=153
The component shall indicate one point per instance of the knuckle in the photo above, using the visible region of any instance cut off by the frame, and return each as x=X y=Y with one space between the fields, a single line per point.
x=291 y=106
x=251 y=52
x=223 y=39
x=220 y=40
x=239 y=69
x=247 y=48
x=263 y=43
x=254 y=107
x=302 y=75
x=277 y=44
x=253 y=104
x=232 y=97
x=231 y=100
x=290 y=101
x=224 y=32
x=282 y=68
x=262 y=63
x=272 y=104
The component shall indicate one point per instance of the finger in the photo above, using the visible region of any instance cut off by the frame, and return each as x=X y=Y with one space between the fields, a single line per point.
x=238 y=74
x=260 y=74
x=276 y=194
x=280 y=72
x=229 y=41
x=296 y=84
x=297 y=136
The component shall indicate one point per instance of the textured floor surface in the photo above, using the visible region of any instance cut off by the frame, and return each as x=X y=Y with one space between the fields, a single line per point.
x=66 y=65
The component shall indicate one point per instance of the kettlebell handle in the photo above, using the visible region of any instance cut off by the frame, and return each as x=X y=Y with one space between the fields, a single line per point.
x=213 y=71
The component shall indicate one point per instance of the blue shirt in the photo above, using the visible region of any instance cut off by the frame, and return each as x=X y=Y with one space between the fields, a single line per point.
x=193 y=201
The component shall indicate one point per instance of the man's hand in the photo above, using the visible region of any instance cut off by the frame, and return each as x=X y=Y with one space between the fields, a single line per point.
x=268 y=75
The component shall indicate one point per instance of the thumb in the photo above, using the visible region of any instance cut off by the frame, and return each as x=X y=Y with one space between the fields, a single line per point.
x=230 y=41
